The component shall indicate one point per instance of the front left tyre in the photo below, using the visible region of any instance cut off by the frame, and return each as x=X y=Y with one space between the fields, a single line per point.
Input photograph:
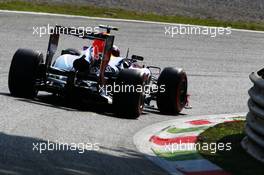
x=23 y=73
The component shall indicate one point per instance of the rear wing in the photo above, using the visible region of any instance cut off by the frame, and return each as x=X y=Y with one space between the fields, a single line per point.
x=58 y=30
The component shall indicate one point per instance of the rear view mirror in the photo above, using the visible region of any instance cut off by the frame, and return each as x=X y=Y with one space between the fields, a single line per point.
x=136 y=57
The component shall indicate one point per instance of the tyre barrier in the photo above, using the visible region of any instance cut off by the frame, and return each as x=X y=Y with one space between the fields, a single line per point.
x=253 y=143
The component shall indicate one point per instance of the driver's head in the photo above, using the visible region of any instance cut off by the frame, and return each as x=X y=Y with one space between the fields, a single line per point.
x=115 y=51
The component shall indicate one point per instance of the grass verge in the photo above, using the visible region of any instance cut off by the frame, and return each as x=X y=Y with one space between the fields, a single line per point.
x=235 y=161
x=120 y=13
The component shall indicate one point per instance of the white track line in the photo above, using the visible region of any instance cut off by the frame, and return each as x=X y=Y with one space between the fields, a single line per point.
x=114 y=19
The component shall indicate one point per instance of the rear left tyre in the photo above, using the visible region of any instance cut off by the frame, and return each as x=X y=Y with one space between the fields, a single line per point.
x=23 y=73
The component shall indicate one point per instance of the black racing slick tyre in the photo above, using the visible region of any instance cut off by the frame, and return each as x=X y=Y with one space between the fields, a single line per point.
x=23 y=73
x=172 y=94
x=129 y=102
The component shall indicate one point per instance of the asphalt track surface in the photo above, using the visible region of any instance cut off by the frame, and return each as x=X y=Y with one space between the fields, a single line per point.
x=217 y=69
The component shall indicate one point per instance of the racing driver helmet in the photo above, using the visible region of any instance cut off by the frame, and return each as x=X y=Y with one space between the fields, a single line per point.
x=115 y=51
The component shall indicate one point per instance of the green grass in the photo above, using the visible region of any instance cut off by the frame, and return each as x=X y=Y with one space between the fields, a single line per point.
x=120 y=13
x=235 y=161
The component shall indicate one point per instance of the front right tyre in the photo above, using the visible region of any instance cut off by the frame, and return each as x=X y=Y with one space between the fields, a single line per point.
x=172 y=95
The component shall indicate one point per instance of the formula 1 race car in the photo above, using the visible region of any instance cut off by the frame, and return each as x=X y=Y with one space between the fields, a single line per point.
x=122 y=81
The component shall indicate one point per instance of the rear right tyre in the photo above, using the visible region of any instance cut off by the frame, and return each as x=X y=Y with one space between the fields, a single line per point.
x=127 y=103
